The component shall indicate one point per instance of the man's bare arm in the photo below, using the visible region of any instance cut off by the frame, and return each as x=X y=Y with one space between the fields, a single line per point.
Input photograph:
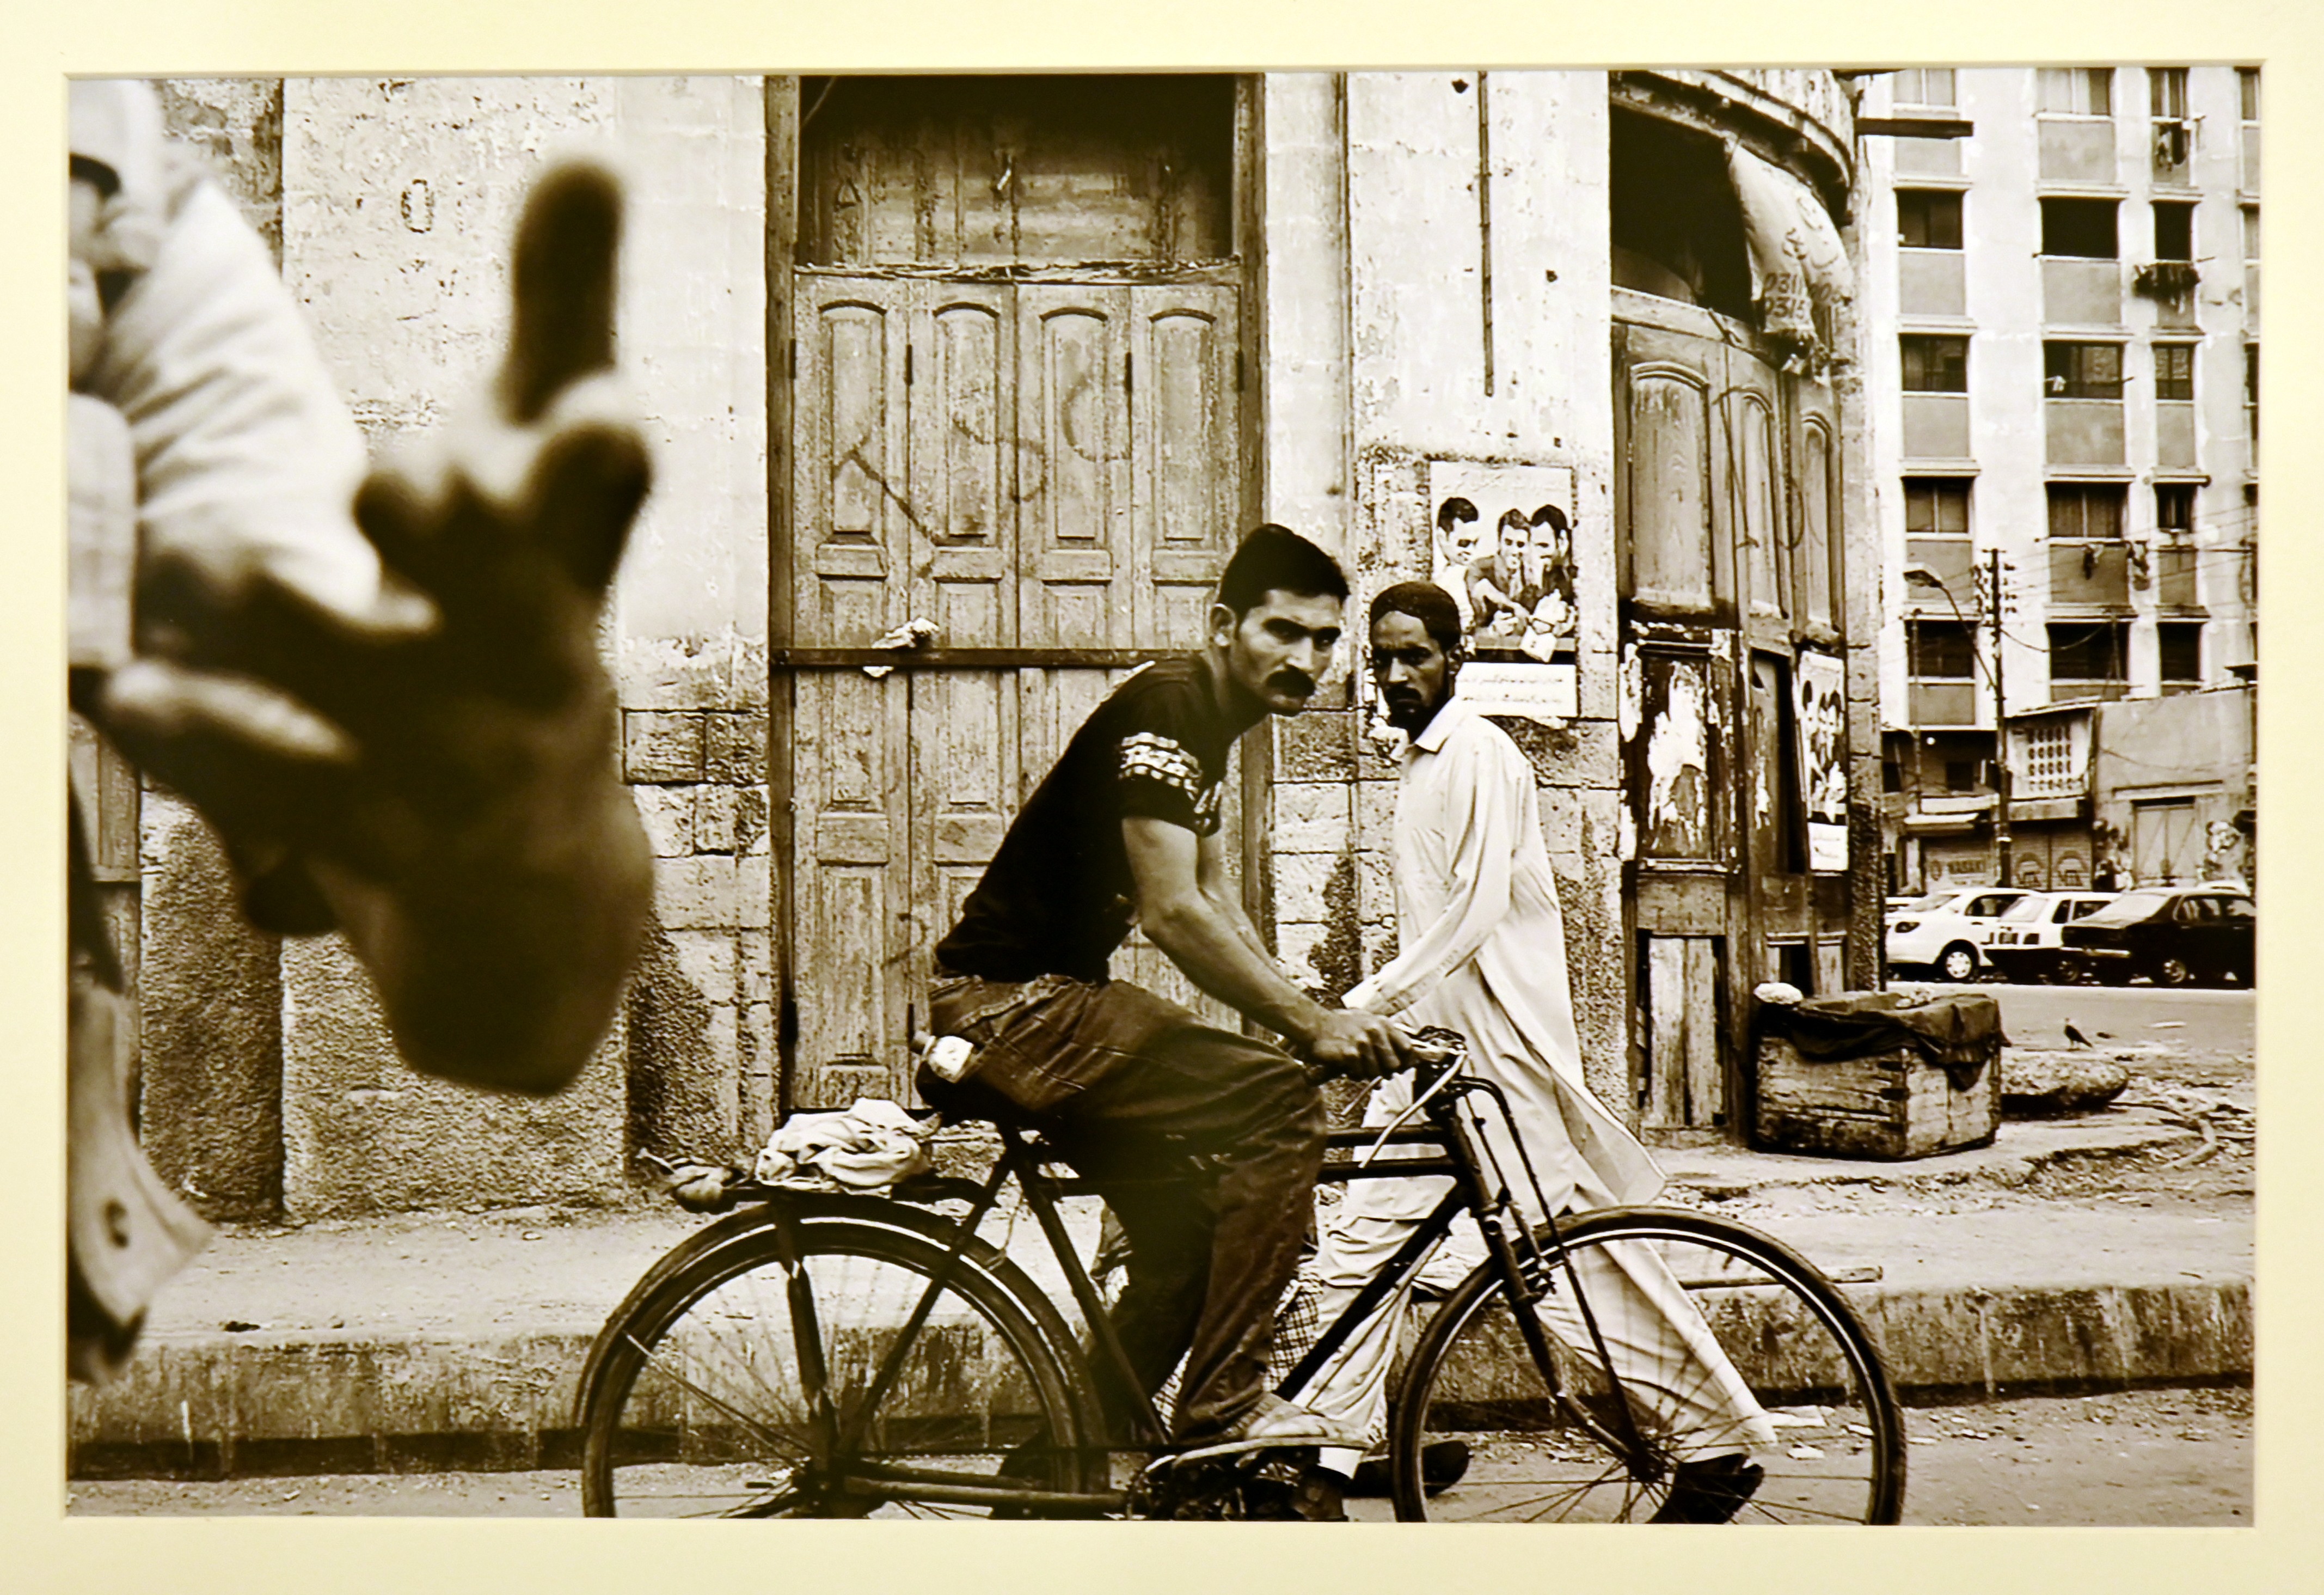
x=1222 y=890
x=1188 y=924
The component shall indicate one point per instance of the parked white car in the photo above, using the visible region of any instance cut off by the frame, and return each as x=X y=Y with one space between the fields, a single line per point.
x=1946 y=930
x=2027 y=941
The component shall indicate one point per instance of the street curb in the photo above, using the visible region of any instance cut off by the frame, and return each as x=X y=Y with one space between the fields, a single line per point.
x=258 y=1405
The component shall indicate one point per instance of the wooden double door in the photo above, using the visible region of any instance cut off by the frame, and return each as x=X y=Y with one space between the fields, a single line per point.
x=1048 y=475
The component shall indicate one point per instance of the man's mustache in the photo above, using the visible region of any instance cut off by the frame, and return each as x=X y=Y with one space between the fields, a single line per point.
x=1292 y=681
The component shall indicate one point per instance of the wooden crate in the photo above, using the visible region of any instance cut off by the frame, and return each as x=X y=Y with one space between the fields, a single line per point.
x=1890 y=1105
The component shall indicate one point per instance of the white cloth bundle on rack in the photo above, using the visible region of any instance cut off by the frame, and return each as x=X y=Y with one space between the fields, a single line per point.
x=867 y=1147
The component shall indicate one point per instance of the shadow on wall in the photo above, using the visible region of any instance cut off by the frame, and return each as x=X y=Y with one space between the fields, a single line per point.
x=680 y=1102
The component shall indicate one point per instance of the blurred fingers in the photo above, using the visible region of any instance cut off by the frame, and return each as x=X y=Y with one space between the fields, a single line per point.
x=564 y=276
x=254 y=760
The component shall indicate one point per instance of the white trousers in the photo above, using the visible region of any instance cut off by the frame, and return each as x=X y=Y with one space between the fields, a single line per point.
x=1661 y=1350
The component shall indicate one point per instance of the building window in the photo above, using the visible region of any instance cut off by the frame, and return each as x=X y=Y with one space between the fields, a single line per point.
x=1935 y=365
x=2174 y=370
x=1941 y=650
x=2174 y=230
x=2084 y=227
x=2247 y=80
x=2251 y=233
x=2082 y=370
x=2089 y=511
x=2179 y=645
x=2088 y=651
x=1928 y=218
x=2175 y=507
x=2166 y=92
x=2049 y=756
x=2074 y=91
x=1936 y=506
x=1930 y=86
x=1960 y=775
x=2250 y=390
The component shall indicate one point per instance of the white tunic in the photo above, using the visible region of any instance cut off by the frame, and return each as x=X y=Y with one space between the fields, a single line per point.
x=1484 y=953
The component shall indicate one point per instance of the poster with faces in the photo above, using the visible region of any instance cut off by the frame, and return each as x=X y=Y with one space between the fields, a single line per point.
x=1502 y=542
x=1819 y=711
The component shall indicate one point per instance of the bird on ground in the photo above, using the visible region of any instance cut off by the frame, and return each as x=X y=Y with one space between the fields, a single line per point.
x=2075 y=1038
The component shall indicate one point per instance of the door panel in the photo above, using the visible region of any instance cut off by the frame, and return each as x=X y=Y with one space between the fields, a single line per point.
x=1073 y=467
x=1685 y=1065
x=1182 y=418
x=962 y=560
x=1034 y=466
x=850 y=885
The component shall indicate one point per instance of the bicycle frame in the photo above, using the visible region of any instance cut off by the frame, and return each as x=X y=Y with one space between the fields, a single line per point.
x=1460 y=1157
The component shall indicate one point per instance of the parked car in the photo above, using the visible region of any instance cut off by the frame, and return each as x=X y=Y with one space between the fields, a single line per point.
x=2172 y=935
x=1946 y=930
x=2027 y=942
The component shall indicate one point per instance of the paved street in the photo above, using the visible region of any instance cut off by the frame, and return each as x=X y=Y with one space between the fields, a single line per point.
x=2034 y=1015
x=2160 y=1458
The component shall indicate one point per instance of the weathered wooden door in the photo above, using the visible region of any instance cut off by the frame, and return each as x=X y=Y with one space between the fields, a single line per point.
x=1731 y=580
x=1048 y=475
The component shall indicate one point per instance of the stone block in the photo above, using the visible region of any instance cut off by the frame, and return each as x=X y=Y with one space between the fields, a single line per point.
x=2036 y=1081
x=667 y=814
x=734 y=749
x=1318 y=745
x=1311 y=817
x=1379 y=943
x=706 y=960
x=363 y=1133
x=1560 y=808
x=1375 y=882
x=754 y=968
x=1374 y=815
x=699 y=893
x=716 y=812
x=1582 y=753
x=658 y=745
x=1306 y=884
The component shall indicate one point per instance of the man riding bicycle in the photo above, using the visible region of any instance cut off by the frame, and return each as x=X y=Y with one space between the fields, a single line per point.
x=1124 y=831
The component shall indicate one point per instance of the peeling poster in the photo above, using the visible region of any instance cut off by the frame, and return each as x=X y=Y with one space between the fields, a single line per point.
x=1820 y=713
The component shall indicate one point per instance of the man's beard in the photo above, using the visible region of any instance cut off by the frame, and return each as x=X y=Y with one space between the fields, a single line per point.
x=1410 y=712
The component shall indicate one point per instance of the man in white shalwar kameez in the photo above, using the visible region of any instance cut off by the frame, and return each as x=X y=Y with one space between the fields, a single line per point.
x=1484 y=954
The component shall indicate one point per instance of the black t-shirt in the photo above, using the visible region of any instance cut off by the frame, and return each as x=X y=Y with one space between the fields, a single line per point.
x=1059 y=897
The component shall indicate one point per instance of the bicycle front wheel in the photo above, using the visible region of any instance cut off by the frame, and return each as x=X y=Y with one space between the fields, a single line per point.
x=802 y=1369
x=1725 y=1345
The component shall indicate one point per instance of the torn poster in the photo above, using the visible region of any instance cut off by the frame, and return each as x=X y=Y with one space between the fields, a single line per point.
x=1821 y=714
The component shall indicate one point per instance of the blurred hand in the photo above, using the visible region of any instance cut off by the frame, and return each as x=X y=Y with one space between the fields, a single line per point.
x=437 y=773
x=1363 y=1045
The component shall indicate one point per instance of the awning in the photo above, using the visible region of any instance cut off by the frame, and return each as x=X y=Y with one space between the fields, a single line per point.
x=2054 y=808
x=1799 y=269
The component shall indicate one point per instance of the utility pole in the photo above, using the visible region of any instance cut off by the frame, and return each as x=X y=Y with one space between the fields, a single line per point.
x=2000 y=730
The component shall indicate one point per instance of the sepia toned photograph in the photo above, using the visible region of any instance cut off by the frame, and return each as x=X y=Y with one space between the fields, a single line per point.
x=1428 y=795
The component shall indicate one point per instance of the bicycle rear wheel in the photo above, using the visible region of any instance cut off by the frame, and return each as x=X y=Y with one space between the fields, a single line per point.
x=1557 y=1450
x=699 y=1400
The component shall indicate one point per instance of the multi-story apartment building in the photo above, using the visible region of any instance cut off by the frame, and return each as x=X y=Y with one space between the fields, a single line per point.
x=2065 y=451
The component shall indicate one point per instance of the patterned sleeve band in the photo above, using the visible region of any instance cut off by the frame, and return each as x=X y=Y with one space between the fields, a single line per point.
x=1144 y=755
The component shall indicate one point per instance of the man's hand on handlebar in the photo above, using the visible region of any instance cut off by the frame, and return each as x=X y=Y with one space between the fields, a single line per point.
x=1353 y=1043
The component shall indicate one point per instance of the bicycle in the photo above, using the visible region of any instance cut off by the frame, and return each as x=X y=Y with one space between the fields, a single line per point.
x=839 y=1356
